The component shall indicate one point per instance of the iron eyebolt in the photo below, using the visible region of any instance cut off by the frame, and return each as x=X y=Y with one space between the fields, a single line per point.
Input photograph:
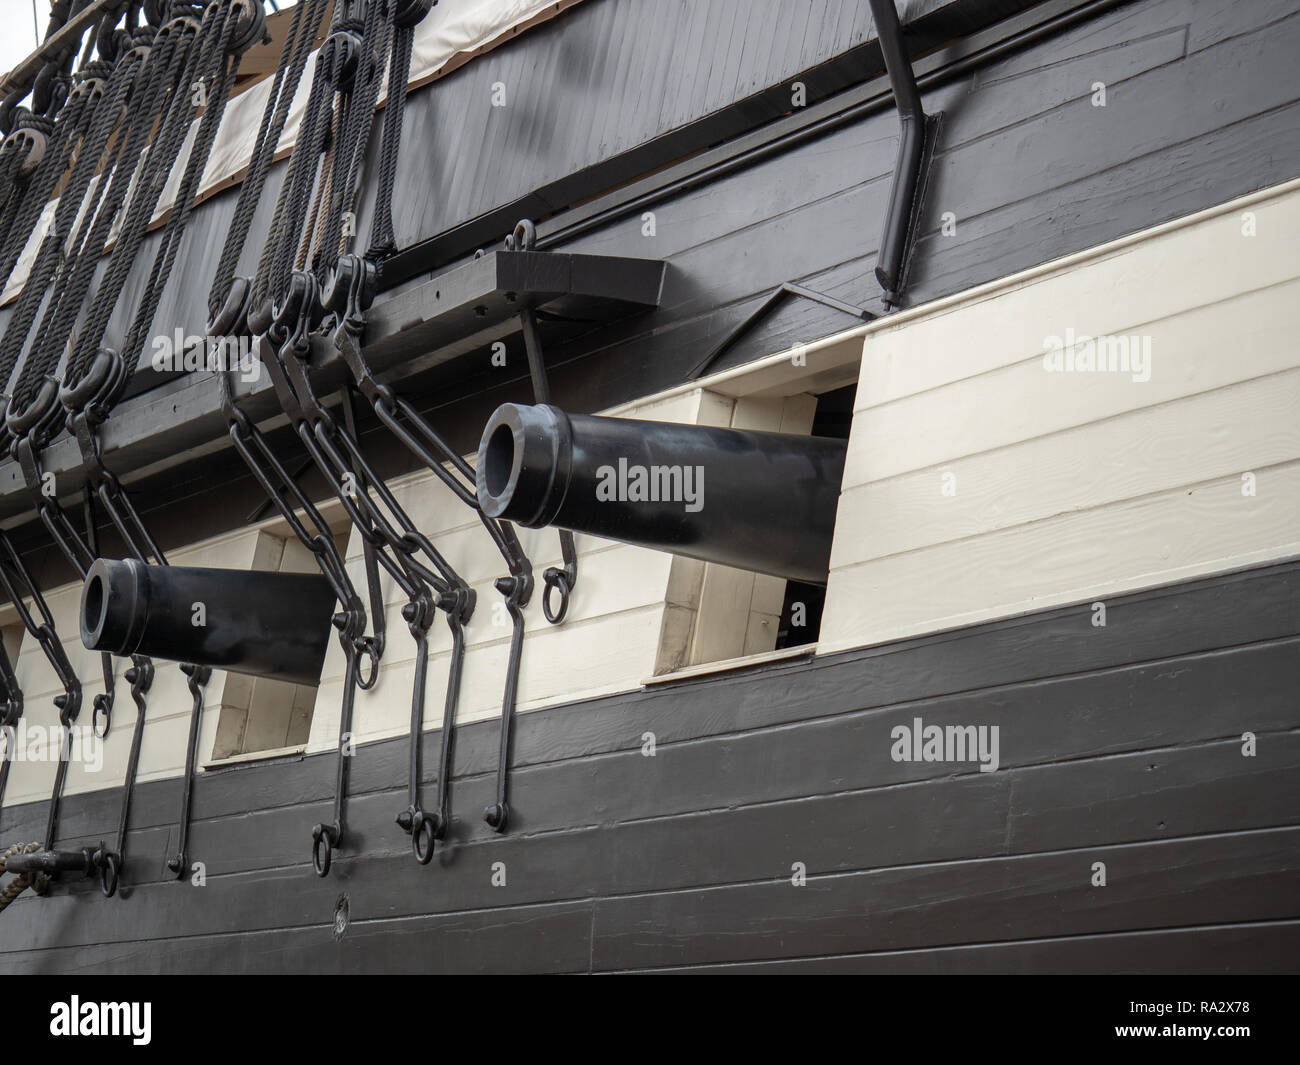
x=366 y=648
x=523 y=236
x=110 y=867
x=103 y=708
x=426 y=830
x=556 y=580
x=324 y=839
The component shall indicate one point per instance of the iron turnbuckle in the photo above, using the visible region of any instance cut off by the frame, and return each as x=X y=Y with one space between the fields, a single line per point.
x=562 y=581
x=197 y=677
x=424 y=829
x=109 y=862
x=326 y=838
x=517 y=591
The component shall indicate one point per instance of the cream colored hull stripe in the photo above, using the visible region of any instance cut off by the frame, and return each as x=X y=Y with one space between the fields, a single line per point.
x=1120 y=419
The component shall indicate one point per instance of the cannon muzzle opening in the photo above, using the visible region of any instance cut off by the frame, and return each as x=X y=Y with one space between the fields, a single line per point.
x=757 y=501
x=273 y=625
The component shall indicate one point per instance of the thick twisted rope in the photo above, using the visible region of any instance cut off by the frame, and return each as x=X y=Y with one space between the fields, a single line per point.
x=293 y=61
x=21 y=883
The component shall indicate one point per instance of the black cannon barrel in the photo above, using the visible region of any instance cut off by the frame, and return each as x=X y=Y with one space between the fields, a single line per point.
x=51 y=863
x=273 y=625
x=758 y=501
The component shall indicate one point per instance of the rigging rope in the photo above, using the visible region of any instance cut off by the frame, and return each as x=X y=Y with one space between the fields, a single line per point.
x=311 y=228
x=113 y=140
x=123 y=144
x=23 y=881
x=294 y=53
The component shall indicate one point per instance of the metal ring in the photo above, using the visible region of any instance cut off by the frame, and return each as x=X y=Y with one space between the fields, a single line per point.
x=109 y=869
x=555 y=579
x=366 y=646
x=423 y=827
x=320 y=835
x=102 y=704
x=524 y=235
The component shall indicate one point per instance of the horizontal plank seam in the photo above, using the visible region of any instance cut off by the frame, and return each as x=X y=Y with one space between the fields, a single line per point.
x=1028 y=360
x=698 y=889
x=1013 y=773
x=980 y=945
x=458 y=779
x=1170 y=490
x=1135 y=413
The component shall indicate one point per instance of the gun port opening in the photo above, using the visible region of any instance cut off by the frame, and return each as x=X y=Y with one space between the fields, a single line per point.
x=801 y=609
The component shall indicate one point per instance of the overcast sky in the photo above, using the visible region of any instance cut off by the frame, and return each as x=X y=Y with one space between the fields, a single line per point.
x=19 y=36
